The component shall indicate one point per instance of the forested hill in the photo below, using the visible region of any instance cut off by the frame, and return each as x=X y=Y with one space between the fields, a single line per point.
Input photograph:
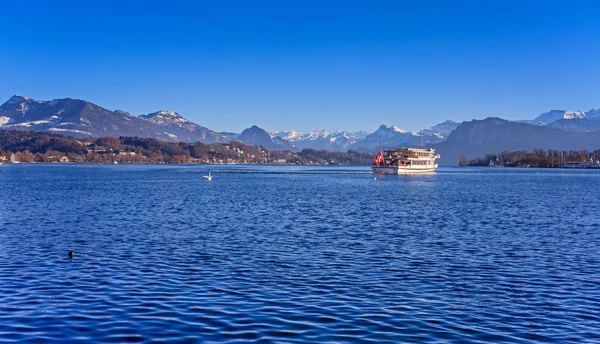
x=29 y=146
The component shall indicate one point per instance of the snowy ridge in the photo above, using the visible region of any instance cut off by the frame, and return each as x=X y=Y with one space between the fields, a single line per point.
x=52 y=120
x=384 y=136
x=574 y=121
x=444 y=129
x=16 y=99
x=165 y=117
x=555 y=115
x=70 y=131
x=320 y=139
x=75 y=117
x=173 y=136
x=390 y=136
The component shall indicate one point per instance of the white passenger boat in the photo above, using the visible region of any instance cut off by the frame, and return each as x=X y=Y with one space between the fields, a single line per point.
x=405 y=161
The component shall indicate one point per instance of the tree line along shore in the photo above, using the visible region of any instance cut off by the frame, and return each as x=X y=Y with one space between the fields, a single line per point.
x=29 y=146
x=536 y=158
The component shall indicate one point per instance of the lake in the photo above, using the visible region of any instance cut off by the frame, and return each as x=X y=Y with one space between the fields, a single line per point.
x=297 y=254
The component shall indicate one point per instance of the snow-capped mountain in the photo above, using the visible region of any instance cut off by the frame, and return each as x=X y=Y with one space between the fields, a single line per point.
x=444 y=128
x=178 y=128
x=387 y=136
x=555 y=115
x=575 y=121
x=321 y=139
x=478 y=137
x=166 y=117
x=390 y=136
x=80 y=118
x=75 y=117
x=291 y=135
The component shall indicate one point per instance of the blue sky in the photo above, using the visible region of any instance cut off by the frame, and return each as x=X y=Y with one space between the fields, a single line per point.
x=335 y=65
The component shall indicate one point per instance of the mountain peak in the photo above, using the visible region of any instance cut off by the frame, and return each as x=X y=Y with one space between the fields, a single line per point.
x=257 y=136
x=444 y=128
x=592 y=113
x=555 y=115
x=164 y=113
x=384 y=127
x=17 y=98
x=448 y=121
x=165 y=117
x=121 y=112
x=80 y=118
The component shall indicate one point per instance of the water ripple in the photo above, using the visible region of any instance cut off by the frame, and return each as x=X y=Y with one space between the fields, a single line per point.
x=289 y=254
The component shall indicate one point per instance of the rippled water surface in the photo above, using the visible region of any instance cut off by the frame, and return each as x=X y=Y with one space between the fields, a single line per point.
x=297 y=254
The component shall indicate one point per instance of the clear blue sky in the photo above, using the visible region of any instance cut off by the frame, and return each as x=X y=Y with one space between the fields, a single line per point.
x=335 y=65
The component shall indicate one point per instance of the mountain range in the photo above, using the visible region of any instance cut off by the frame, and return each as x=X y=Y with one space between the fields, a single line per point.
x=322 y=139
x=556 y=129
x=493 y=135
x=79 y=118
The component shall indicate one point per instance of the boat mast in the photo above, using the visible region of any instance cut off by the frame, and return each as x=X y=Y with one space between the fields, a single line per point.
x=421 y=132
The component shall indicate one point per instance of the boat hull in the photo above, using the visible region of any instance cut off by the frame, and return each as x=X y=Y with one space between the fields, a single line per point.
x=402 y=170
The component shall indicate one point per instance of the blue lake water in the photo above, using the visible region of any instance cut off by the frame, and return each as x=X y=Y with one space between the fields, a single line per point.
x=298 y=254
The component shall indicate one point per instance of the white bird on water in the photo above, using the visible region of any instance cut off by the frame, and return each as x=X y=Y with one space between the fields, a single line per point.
x=209 y=177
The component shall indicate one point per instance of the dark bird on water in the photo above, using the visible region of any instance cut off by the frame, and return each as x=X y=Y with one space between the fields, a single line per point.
x=71 y=254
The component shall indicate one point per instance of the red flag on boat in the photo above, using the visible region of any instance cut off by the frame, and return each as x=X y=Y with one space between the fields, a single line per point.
x=378 y=160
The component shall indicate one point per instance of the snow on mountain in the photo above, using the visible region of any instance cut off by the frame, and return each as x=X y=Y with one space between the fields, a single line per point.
x=479 y=137
x=17 y=99
x=72 y=132
x=574 y=121
x=386 y=136
x=389 y=136
x=291 y=135
x=229 y=135
x=321 y=139
x=555 y=115
x=166 y=117
x=389 y=131
x=125 y=114
x=361 y=134
x=318 y=134
x=4 y=120
x=79 y=118
x=444 y=128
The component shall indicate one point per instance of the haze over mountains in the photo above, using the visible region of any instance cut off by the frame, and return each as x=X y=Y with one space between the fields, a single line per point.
x=556 y=129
